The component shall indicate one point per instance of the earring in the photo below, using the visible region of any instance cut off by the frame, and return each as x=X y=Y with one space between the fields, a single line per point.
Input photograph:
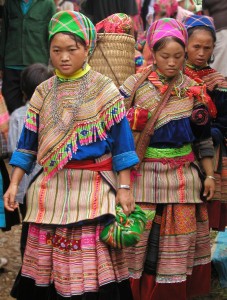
x=212 y=58
x=154 y=67
x=84 y=65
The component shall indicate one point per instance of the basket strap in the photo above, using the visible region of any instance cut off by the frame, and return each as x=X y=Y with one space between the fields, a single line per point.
x=107 y=61
x=129 y=101
x=144 y=138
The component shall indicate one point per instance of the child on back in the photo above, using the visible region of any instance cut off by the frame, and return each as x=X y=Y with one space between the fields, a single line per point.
x=31 y=77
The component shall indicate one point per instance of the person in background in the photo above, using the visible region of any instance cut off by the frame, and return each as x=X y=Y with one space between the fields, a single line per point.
x=3 y=260
x=31 y=77
x=64 y=5
x=169 y=116
x=68 y=5
x=147 y=12
x=217 y=9
x=187 y=4
x=161 y=9
x=201 y=44
x=7 y=219
x=100 y=9
x=77 y=130
x=24 y=40
x=198 y=6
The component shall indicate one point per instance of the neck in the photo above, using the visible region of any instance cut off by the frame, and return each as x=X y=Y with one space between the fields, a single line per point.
x=162 y=77
x=76 y=75
x=192 y=66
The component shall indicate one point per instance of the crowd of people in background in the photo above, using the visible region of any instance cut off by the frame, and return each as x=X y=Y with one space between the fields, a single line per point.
x=149 y=153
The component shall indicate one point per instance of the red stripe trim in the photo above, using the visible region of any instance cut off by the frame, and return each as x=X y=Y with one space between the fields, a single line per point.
x=105 y=165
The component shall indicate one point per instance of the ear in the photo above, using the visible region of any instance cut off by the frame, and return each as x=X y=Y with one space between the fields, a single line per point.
x=86 y=51
x=153 y=56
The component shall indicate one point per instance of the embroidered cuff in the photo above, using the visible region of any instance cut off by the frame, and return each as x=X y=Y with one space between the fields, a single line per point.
x=124 y=160
x=22 y=160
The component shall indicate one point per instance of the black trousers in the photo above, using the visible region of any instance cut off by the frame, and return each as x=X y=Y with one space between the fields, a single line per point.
x=11 y=89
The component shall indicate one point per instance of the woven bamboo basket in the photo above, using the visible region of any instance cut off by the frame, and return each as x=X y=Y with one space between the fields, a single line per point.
x=114 y=56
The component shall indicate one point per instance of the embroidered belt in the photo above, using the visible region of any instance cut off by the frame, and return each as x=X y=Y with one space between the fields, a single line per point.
x=89 y=164
x=168 y=152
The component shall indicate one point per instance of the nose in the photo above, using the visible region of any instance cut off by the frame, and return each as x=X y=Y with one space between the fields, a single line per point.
x=64 y=56
x=171 y=62
x=201 y=52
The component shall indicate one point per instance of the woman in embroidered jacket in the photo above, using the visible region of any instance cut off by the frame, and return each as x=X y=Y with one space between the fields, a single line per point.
x=176 y=253
x=75 y=121
x=201 y=42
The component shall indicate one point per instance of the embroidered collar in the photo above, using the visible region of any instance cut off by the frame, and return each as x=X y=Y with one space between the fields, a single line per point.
x=78 y=74
x=161 y=82
x=196 y=68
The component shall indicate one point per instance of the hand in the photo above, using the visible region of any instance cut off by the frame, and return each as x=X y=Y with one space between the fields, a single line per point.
x=10 y=196
x=209 y=188
x=126 y=200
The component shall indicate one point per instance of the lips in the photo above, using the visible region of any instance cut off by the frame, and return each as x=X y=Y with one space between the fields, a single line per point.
x=201 y=61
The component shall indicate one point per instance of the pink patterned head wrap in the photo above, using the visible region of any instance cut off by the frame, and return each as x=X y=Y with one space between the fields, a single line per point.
x=166 y=27
x=166 y=8
x=116 y=23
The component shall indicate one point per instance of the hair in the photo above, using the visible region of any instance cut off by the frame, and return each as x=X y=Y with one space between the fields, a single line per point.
x=163 y=41
x=32 y=76
x=206 y=28
x=75 y=37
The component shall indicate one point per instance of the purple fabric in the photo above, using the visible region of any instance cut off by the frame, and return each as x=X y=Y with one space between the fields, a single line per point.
x=166 y=27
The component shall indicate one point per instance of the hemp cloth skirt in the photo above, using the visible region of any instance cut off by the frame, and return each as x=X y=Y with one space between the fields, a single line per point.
x=178 y=241
x=69 y=258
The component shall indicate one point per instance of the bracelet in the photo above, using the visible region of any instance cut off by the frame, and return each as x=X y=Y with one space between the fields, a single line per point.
x=211 y=177
x=124 y=186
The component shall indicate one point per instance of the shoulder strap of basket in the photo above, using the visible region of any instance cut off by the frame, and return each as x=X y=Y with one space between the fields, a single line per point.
x=148 y=130
x=107 y=61
x=129 y=101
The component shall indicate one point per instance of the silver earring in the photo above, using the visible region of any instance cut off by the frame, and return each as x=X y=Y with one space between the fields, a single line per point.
x=211 y=60
x=154 y=67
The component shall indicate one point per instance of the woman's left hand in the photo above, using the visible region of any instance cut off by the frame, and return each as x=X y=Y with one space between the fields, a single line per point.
x=209 y=188
x=126 y=200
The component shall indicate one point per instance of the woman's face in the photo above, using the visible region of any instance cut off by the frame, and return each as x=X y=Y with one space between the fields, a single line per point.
x=200 y=47
x=170 y=58
x=66 y=55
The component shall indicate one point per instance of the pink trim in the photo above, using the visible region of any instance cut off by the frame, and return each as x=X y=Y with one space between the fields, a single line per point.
x=4 y=118
x=174 y=162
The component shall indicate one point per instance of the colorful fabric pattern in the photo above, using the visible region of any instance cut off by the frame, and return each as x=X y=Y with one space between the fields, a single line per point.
x=172 y=180
x=4 y=116
x=184 y=242
x=94 y=118
x=165 y=8
x=76 y=23
x=75 y=259
x=125 y=231
x=199 y=20
x=149 y=93
x=166 y=27
x=135 y=255
x=116 y=23
x=64 y=199
x=2 y=210
x=212 y=78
